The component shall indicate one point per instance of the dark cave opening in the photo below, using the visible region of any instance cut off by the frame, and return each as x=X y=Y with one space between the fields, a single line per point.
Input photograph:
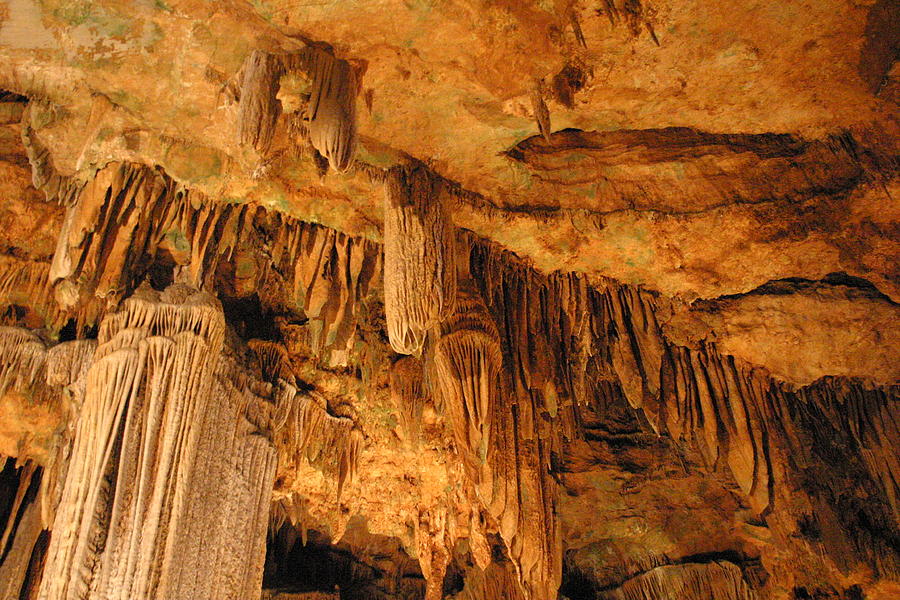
x=361 y=566
x=250 y=318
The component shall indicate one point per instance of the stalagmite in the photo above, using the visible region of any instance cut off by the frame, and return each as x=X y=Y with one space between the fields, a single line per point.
x=68 y=364
x=164 y=460
x=332 y=108
x=434 y=539
x=419 y=269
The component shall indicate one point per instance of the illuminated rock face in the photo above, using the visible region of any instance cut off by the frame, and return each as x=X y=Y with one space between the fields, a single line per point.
x=419 y=268
x=404 y=300
x=167 y=478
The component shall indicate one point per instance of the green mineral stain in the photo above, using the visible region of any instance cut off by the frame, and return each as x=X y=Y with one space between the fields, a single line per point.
x=42 y=115
x=126 y=100
x=375 y=157
x=588 y=191
x=153 y=33
x=192 y=163
x=420 y=5
x=89 y=14
x=160 y=5
x=575 y=157
x=245 y=268
x=76 y=13
x=520 y=175
x=178 y=240
x=263 y=9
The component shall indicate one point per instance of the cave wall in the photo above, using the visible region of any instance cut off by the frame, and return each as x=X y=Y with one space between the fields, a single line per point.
x=422 y=319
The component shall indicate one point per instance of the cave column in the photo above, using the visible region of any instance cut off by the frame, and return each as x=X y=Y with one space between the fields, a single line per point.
x=168 y=486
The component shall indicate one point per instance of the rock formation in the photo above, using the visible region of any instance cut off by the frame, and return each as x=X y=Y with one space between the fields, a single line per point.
x=410 y=300
x=419 y=253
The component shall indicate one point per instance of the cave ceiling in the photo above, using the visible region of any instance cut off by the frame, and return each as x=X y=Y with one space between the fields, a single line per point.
x=502 y=298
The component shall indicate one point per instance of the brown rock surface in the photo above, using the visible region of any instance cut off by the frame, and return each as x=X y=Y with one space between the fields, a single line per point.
x=644 y=256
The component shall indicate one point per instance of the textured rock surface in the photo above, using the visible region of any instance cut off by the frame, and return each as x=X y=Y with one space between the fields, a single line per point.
x=644 y=256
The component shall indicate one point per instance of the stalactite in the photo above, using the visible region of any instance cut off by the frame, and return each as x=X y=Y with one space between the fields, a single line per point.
x=332 y=108
x=326 y=274
x=259 y=106
x=516 y=486
x=272 y=359
x=690 y=581
x=541 y=112
x=23 y=364
x=119 y=221
x=606 y=340
x=45 y=177
x=408 y=395
x=21 y=531
x=306 y=431
x=467 y=361
x=164 y=460
x=419 y=272
x=26 y=283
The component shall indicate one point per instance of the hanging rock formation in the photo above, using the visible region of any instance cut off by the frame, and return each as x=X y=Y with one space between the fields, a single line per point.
x=409 y=395
x=419 y=272
x=405 y=300
x=332 y=108
x=330 y=114
x=467 y=363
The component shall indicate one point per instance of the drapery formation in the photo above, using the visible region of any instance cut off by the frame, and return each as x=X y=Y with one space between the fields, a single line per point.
x=167 y=477
x=419 y=248
x=575 y=348
x=691 y=581
x=408 y=394
x=467 y=361
x=330 y=112
x=131 y=216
